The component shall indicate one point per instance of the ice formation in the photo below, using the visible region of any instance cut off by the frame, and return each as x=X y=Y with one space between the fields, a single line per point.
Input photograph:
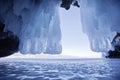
x=35 y=22
x=100 y=20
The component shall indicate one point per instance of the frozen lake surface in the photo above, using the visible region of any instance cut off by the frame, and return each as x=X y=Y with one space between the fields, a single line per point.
x=61 y=69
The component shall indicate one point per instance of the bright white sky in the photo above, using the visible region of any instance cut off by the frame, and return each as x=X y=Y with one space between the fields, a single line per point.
x=74 y=41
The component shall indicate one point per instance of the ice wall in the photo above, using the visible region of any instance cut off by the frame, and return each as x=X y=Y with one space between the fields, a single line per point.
x=35 y=22
x=100 y=21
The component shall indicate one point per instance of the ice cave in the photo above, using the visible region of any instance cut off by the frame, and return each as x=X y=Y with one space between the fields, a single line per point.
x=33 y=26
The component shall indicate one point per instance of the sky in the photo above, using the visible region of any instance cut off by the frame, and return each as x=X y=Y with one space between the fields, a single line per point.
x=74 y=41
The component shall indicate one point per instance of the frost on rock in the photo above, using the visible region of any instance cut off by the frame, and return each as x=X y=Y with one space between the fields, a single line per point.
x=35 y=22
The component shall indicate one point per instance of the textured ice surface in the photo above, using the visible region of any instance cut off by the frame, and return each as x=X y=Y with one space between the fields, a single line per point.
x=61 y=69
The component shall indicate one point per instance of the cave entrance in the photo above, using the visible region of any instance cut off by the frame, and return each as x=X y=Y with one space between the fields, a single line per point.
x=74 y=41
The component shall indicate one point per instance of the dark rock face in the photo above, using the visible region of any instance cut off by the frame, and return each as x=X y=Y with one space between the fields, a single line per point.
x=113 y=54
x=116 y=52
x=8 y=42
x=67 y=3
